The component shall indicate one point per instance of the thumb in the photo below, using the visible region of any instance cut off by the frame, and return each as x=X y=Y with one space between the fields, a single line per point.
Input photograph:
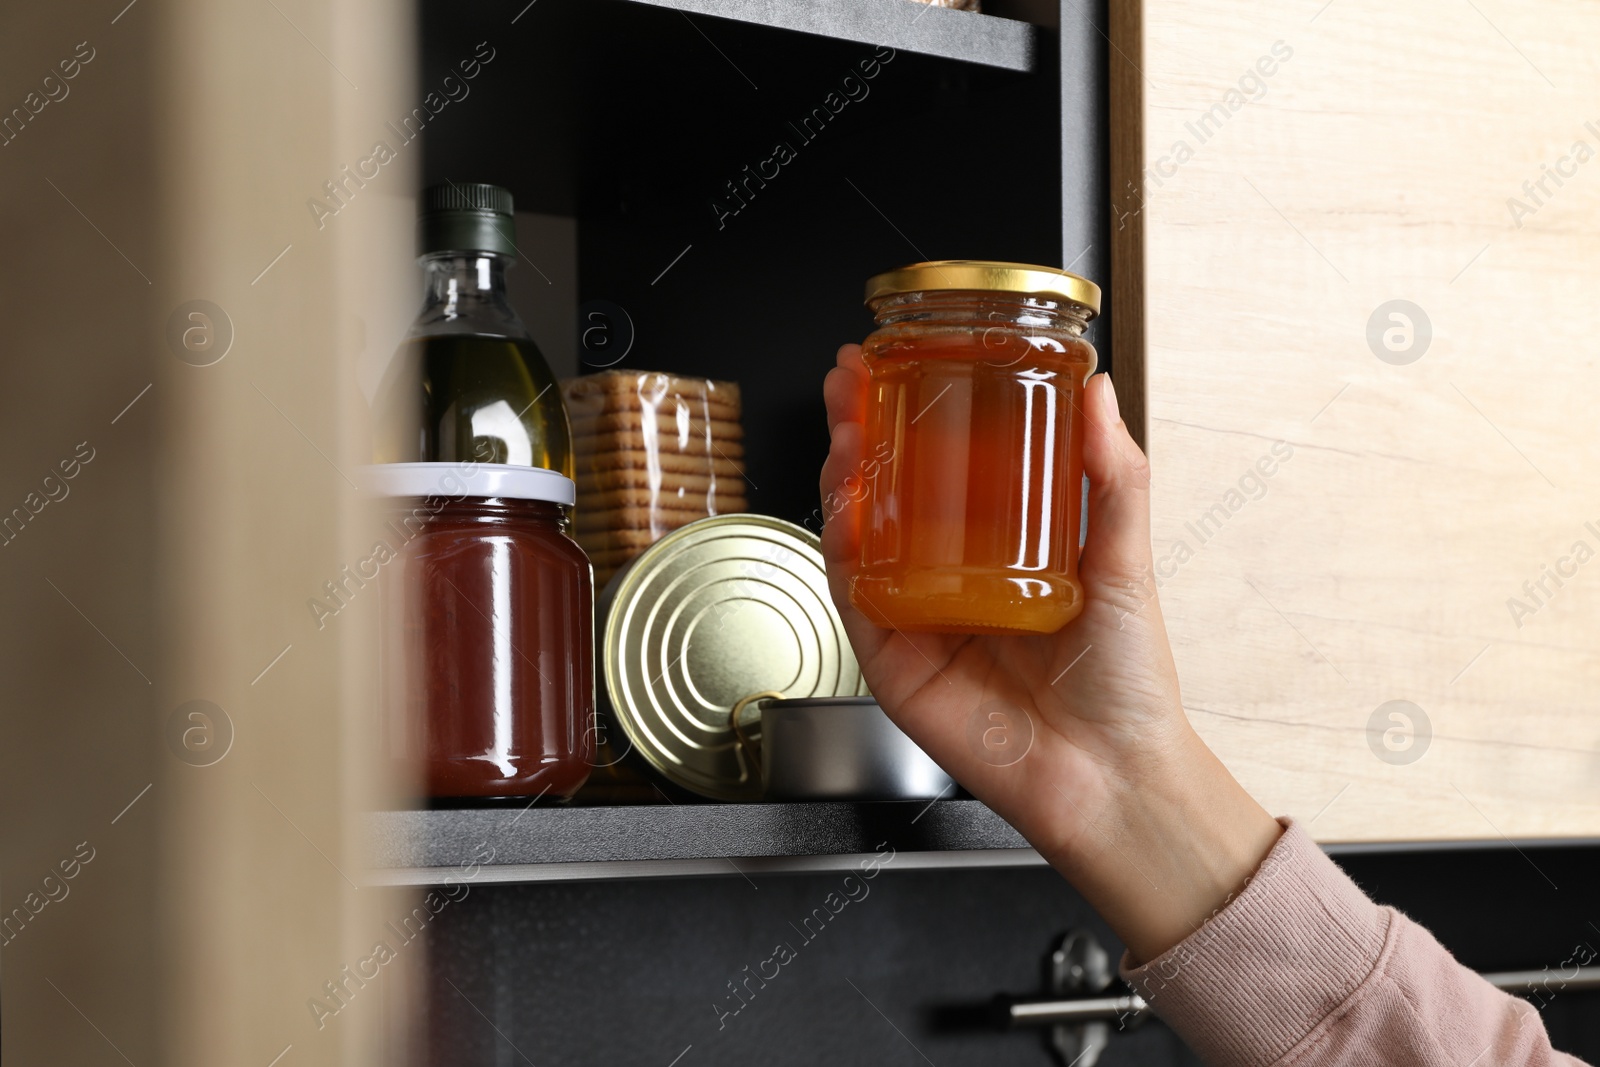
x=1117 y=550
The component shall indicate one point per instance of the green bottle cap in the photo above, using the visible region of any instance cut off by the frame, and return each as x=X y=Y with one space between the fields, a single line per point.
x=466 y=217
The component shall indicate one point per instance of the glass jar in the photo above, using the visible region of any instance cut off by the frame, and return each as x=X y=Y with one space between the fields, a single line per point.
x=974 y=436
x=491 y=620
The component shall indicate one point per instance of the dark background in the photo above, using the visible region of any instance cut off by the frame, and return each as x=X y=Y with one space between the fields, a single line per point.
x=632 y=118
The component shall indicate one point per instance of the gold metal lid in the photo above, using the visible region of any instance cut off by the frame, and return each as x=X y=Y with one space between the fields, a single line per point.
x=984 y=276
x=713 y=612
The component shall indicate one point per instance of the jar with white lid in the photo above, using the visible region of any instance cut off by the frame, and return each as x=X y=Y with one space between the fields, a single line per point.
x=491 y=614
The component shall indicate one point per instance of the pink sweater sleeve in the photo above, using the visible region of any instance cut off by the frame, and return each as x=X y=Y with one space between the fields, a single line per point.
x=1303 y=968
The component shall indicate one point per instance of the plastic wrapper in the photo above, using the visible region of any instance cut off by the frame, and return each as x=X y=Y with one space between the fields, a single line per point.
x=653 y=452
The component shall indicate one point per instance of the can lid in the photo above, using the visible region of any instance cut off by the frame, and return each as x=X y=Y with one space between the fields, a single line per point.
x=503 y=480
x=466 y=217
x=714 y=612
x=984 y=276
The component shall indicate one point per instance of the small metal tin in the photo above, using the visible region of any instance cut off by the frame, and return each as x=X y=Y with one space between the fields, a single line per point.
x=841 y=748
x=713 y=612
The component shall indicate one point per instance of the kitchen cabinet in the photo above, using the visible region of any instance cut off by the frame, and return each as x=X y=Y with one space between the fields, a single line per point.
x=1352 y=509
x=641 y=142
x=231 y=157
x=590 y=873
x=228 y=156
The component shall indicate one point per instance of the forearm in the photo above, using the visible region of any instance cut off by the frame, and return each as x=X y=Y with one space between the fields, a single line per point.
x=1170 y=848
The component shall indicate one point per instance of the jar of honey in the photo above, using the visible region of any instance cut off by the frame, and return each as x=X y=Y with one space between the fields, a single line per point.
x=974 y=425
x=488 y=620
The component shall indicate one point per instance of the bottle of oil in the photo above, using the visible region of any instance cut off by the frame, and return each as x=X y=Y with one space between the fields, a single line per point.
x=469 y=384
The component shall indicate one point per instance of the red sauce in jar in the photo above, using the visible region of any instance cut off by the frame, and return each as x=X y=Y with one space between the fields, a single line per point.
x=499 y=637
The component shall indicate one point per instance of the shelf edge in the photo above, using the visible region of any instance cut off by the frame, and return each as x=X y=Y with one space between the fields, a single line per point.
x=723 y=867
x=901 y=24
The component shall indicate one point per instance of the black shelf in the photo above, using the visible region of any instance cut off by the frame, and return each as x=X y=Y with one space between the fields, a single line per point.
x=565 y=844
x=640 y=841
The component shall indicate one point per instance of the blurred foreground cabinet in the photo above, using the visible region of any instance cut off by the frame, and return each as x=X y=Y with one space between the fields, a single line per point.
x=1356 y=250
x=179 y=424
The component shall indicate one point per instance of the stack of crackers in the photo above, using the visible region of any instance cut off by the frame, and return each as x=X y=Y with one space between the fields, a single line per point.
x=653 y=452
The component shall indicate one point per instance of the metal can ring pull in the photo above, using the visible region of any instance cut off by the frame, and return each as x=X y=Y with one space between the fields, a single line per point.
x=750 y=744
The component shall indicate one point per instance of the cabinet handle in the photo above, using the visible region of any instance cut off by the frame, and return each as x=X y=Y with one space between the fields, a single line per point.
x=1130 y=1006
x=1076 y=1010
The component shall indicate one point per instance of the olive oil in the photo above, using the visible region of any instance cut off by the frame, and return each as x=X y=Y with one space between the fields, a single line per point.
x=468 y=384
x=461 y=397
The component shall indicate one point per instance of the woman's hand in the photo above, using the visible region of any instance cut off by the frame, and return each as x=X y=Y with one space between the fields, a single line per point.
x=1079 y=738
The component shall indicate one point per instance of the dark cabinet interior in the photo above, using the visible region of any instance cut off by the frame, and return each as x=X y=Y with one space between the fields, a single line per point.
x=735 y=184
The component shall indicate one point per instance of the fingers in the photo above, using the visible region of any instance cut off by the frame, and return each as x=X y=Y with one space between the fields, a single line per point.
x=845 y=388
x=842 y=508
x=1118 y=546
x=845 y=391
x=844 y=493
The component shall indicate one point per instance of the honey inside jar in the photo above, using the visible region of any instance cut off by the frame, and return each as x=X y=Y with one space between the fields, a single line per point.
x=975 y=416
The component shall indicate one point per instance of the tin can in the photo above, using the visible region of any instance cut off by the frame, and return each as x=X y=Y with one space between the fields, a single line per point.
x=836 y=748
x=711 y=614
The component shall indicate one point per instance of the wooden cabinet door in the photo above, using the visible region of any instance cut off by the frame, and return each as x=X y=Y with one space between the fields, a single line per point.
x=1357 y=254
x=181 y=753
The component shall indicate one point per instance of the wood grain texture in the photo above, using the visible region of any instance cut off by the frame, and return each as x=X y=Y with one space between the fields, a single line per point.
x=260 y=908
x=1376 y=162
